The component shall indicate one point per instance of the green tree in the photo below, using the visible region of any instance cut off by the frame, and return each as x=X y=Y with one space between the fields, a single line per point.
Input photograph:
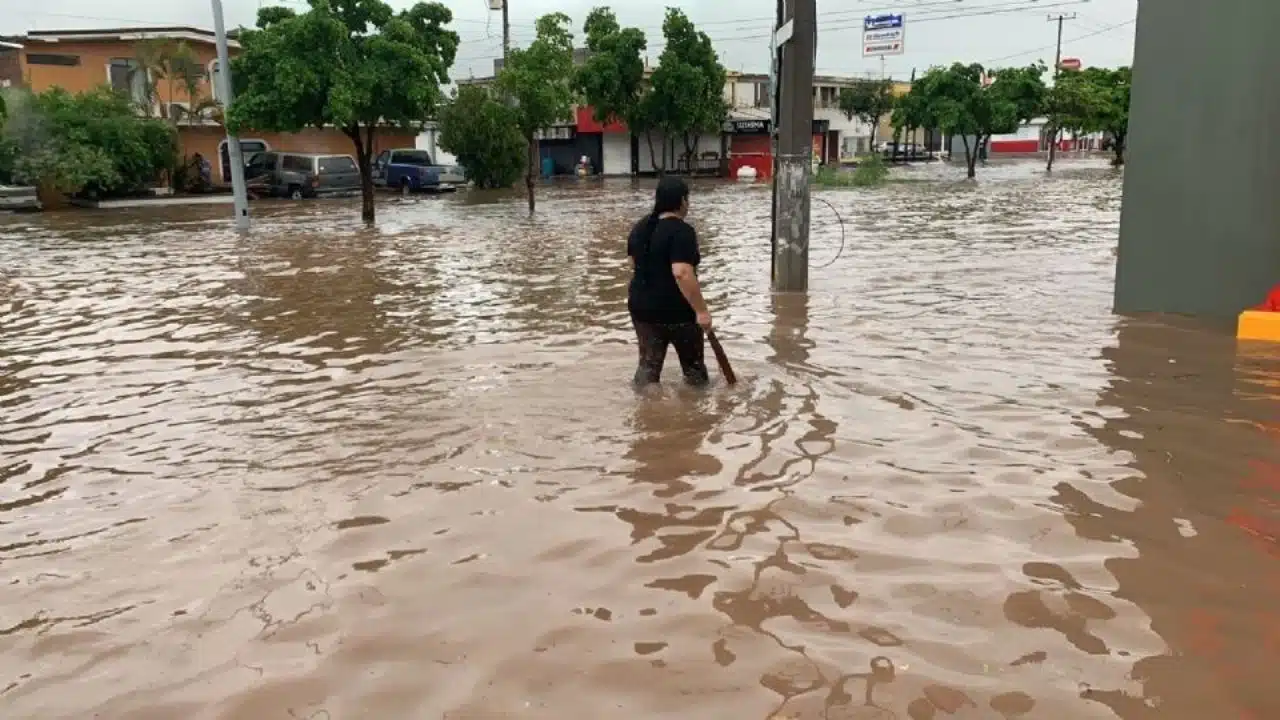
x=868 y=101
x=350 y=64
x=91 y=143
x=176 y=65
x=958 y=102
x=483 y=134
x=539 y=81
x=612 y=78
x=687 y=96
x=1070 y=106
x=1112 y=89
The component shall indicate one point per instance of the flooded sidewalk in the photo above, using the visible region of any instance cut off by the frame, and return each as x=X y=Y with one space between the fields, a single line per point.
x=332 y=472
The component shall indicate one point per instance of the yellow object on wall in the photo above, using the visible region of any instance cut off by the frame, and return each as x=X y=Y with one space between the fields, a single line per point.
x=1258 y=325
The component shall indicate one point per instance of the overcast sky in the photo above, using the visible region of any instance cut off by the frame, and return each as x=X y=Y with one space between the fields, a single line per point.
x=993 y=32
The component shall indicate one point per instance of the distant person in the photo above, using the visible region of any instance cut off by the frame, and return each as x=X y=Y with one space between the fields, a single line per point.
x=664 y=299
x=204 y=171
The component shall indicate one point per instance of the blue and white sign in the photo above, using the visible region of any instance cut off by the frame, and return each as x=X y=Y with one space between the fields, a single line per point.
x=881 y=22
x=884 y=35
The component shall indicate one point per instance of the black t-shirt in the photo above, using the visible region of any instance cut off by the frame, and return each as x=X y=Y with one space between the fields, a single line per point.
x=654 y=296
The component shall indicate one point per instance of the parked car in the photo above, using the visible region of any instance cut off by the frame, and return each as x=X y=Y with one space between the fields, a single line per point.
x=301 y=175
x=409 y=170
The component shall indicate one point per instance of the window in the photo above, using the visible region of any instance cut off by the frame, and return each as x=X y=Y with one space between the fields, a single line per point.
x=47 y=59
x=130 y=79
x=296 y=163
x=762 y=94
x=420 y=158
x=337 y=164
x=247 y=149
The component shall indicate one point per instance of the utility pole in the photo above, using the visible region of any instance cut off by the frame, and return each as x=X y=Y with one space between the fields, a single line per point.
x=506 y=32
x=1057 y=69
x=797 y=40
x=239 y=194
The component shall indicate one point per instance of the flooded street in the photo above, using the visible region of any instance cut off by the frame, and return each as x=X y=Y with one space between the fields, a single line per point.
x=330 y=472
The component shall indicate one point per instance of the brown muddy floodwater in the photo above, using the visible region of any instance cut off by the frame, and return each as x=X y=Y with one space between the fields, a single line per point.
x=324 y=472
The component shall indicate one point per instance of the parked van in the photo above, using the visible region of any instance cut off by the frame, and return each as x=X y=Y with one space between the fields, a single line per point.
x=301 y=175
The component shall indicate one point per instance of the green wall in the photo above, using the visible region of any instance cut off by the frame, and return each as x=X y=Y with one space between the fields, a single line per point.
x=1200 y=227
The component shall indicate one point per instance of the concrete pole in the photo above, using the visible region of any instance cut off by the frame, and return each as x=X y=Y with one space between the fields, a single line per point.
x=506 y=31
x=1057 y=69
x=235 y=157
x=795 y=146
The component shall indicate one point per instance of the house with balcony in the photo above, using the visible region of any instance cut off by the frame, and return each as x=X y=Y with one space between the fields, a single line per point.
x=81 y=60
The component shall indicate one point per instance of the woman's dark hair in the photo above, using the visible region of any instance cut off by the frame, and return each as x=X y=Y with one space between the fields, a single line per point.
x=670 y=195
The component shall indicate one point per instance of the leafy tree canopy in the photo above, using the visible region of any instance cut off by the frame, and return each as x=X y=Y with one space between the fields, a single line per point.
x=539 y=81
x=868 y=101
x=483 y=134
x=350 y=64
x=612 y=78
x=687 y=96
x=93 y=142
x=957 y=101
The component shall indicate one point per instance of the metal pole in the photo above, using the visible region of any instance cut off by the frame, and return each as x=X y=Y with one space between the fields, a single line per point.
x=795 y=147
x=1057 y=69
x=235 y=157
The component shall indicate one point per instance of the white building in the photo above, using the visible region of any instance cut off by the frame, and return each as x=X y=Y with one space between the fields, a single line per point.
x=844 y=136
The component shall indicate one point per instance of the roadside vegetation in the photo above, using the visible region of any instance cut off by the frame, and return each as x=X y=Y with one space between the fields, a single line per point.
x=356 y=65
x=91 y=144
x=871 y=171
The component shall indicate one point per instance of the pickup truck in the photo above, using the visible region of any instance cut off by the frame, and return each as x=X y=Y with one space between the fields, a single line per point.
x=410 y=170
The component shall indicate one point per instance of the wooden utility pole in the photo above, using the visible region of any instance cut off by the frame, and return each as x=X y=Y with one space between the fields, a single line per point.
x=1057 y=69
x=796 y=38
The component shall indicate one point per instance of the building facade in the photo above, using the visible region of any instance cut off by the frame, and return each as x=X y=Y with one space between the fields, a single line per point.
x=82 y=60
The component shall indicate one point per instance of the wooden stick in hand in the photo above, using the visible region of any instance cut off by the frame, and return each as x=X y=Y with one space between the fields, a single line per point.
x=721 y=359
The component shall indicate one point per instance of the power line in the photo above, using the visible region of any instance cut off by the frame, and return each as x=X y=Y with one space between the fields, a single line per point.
x=979 y=11
x=1024 y=53
x=1003 y=8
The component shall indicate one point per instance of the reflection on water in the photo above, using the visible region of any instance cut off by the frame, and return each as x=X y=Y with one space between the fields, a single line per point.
x=326 y=471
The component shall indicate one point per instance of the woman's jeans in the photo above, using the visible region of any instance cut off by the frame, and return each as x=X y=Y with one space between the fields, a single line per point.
x=655 y=338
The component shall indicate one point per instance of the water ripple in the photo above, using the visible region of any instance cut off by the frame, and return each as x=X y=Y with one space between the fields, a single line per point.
x=328 y=471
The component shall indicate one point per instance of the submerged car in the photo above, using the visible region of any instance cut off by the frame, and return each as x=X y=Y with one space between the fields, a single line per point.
x=409 y=170
x=301 y=175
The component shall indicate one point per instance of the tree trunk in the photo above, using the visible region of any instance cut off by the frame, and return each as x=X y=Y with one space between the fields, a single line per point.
x=364 y=155
x=1053 y=147
x=970 y=157
x=691 y=150
x=1118 y=161
x=529 y=177
x=653 y=158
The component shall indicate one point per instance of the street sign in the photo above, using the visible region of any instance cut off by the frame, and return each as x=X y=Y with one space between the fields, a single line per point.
x=884 y=35
x=1070 y=64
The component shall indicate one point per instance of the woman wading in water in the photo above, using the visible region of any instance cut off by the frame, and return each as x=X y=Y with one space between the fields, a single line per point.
x=664 y=299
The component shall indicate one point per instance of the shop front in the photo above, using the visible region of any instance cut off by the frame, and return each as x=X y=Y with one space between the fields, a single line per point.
x=751 y=144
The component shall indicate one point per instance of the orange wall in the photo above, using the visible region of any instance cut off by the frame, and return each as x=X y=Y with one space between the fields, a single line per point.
x=92 y=70
x=207 y=141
